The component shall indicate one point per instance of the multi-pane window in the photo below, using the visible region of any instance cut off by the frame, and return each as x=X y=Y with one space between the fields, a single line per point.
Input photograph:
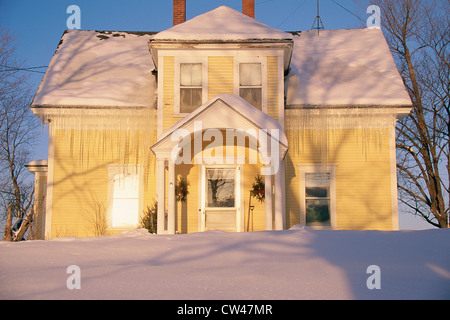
x=124 y=198
x=317 y=198
x=190 y=87
x=250 y=83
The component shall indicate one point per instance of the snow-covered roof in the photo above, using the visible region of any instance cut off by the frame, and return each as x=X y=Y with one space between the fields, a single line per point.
x=344 y=68
x=223 y=24
x=115 y=69
x=37 y=166
x=93 y=68
x=43 y=162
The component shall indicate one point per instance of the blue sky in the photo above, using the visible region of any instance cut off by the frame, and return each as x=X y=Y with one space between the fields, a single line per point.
x=38 y=26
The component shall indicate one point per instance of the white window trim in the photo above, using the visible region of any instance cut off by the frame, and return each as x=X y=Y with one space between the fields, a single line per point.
x=178 y=62
x=318 y=168
x=114 y=169
x=252 y=59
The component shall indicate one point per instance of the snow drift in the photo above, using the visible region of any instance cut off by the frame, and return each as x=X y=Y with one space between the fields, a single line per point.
x=295 y=264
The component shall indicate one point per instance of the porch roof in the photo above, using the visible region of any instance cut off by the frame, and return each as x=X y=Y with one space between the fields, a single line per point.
x=243 y=114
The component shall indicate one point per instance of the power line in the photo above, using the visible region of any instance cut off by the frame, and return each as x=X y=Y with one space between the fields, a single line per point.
x=28 y=69
x=348 y=11
x=293 y=12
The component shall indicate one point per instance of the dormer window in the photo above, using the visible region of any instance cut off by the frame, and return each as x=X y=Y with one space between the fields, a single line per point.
x=250 y=83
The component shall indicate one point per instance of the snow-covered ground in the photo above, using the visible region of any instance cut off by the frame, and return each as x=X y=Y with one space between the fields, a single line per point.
x=296 y=264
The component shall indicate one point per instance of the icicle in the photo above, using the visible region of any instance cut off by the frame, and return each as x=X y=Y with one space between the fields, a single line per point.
x=319 y=126
x=121 y=136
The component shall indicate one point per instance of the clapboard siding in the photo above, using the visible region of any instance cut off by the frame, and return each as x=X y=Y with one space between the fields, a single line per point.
x=169 y=93
x=80 y=177
x=272 y=87
x=363 y=179
x=220 y=76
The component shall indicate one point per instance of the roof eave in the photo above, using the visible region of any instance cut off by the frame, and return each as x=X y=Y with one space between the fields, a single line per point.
x=400 y=110
x=286 y=44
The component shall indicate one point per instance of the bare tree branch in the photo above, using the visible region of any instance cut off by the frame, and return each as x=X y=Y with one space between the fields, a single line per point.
x=417 y=32
x=17 y=134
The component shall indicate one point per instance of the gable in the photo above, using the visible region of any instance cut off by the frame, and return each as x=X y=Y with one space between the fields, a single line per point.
x=223 y=24
x=225 y=111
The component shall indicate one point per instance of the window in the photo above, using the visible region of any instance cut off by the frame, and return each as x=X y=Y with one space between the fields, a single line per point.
x=250 y=83
x=190 y=87
x=124 y=197
x=318 y=196
x=190 y=83
x=221 y=188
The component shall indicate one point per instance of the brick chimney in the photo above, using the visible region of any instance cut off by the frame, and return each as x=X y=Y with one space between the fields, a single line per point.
x=179 y=11
x=248 y=8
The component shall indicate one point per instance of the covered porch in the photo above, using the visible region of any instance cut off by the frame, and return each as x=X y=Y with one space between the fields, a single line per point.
x=220 y=140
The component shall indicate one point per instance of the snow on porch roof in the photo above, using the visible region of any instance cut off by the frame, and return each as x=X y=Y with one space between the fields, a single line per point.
x=221 y=24
x=237 y=104
x=99 y=69
x=344 y=68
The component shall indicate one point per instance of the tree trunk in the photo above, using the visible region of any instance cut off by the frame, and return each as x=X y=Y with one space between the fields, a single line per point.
x=24 y=226
x=8 y=228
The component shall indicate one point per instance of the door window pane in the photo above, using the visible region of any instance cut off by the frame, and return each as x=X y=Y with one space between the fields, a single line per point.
x=221 y=188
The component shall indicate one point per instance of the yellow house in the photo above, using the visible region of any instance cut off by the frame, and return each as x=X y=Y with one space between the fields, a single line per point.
x=224 y=123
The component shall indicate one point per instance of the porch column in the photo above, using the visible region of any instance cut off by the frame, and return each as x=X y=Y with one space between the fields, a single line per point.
x=160 y=189
x=171 y=199
x=279 y=197
x=268 y=198
x=39 y=168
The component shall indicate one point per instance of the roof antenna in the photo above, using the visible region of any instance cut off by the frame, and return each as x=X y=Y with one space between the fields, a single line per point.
x=317 y=24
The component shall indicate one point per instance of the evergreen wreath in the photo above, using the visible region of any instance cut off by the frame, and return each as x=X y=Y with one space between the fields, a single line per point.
x=181 y=189
x=258 y=189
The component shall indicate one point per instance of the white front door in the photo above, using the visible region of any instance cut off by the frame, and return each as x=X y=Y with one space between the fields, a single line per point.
x=220 y=199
